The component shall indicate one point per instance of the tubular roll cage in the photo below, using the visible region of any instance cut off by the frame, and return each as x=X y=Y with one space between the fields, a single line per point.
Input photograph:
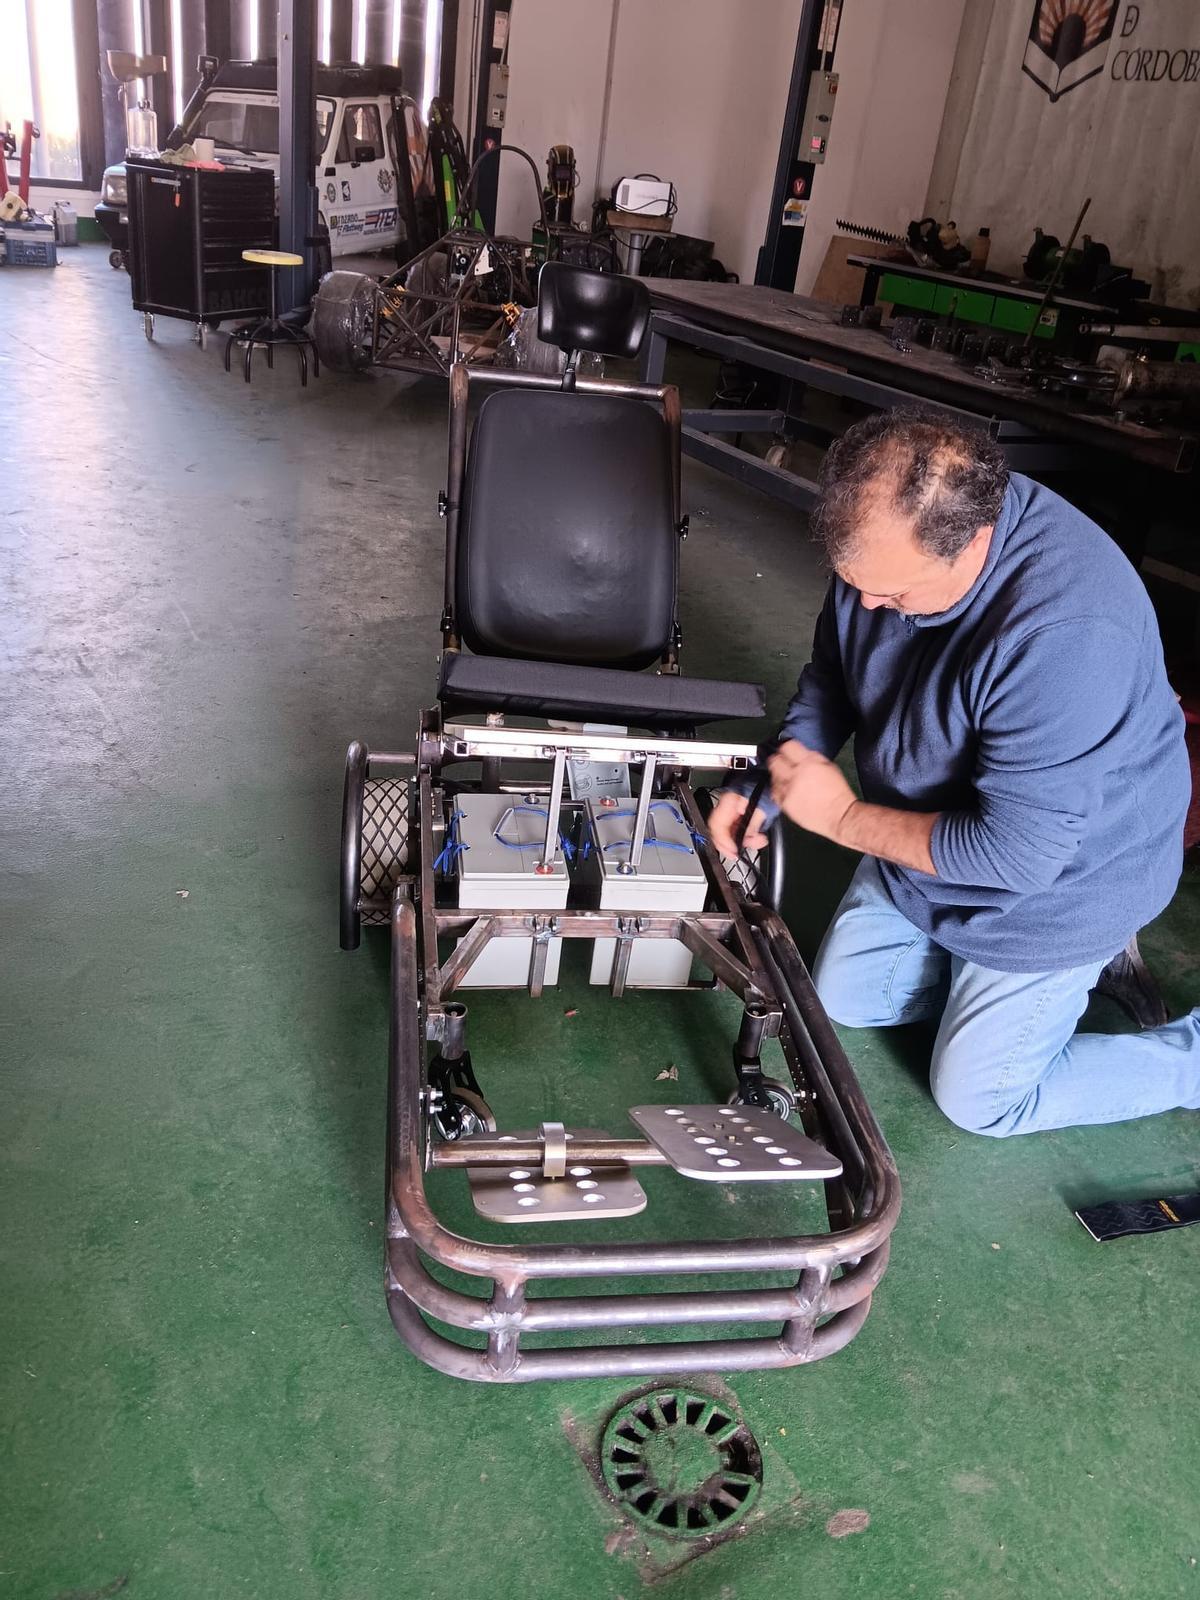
x=405 y=324
x=747 y=949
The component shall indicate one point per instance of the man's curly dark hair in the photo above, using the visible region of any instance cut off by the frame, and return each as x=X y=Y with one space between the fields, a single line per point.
x=948 y=477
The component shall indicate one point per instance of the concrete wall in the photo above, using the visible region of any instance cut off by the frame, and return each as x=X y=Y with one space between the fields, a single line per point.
x=697 y=94
x=698 y=90
x=558 y=61
x=894 y=64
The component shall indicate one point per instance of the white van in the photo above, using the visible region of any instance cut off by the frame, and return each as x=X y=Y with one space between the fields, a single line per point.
x=364 y=199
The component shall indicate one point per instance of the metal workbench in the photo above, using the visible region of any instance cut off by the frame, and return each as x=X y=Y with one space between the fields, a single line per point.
x=802 y=341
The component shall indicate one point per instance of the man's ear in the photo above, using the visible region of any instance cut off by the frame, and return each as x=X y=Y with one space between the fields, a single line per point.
x=982 y=536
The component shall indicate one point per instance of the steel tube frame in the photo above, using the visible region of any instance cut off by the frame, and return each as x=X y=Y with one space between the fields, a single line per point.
x=749 y=948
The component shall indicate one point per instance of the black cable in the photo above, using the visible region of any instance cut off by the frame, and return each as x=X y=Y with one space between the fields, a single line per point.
x=467 y=195
x=747 y=817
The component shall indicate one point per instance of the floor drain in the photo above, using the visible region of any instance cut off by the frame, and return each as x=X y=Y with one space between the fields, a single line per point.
x=680 y=1463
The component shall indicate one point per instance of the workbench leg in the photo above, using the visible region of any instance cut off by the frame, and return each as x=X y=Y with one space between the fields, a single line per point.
x=654 y=357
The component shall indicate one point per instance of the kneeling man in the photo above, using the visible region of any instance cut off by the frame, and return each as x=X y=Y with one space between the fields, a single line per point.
x=1023 y=772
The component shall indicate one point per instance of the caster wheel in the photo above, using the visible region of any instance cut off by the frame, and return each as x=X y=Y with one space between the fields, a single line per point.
x=116 y=259
x=780 y=1098
x=471 y=1114
x=148 y=324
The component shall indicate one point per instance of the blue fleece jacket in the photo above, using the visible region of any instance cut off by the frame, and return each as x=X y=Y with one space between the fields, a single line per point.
x=1035 y=716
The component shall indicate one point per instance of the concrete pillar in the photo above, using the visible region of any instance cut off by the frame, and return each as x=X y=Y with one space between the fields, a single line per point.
x=268 y=30
x=342 y=30
x=378 y=31
x=114 y=34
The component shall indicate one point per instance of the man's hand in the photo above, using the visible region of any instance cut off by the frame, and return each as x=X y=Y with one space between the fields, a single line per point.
x=810 y=789
x=725 y=819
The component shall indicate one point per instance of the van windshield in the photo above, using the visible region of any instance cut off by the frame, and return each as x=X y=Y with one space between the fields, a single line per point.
x=251 y=126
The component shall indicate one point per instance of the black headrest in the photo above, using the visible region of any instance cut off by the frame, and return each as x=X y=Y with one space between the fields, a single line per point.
x=583 y=310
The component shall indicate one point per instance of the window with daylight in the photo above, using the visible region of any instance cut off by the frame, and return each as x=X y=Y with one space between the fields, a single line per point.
x=362 y=135
x=38 y=85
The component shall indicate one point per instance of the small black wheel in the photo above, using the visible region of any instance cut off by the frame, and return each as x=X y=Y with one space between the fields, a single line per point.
x=116 y=259
x=377 y=827
x=463 y=1112
x=386 y=826
x=780 y=1098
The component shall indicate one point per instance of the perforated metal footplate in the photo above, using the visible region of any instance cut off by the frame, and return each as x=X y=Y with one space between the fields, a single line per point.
x=521 y=1194
x=733 y=1144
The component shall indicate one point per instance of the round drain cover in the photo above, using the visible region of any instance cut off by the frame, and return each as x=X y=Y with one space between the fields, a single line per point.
x=680 y=1463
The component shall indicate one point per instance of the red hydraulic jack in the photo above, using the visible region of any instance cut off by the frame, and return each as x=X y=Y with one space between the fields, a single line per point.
x=8 y=147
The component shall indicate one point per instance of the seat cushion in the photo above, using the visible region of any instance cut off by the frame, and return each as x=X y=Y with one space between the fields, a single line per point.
x=592 y=694
x=567 y=547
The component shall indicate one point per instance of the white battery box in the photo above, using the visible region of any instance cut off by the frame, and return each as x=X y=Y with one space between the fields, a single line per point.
x=502 y=839
x=670 y=877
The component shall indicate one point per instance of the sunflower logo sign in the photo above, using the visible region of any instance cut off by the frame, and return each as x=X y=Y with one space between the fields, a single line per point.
x=1068 y=42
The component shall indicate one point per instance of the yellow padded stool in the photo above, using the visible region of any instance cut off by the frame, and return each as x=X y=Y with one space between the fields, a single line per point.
x=273 y=330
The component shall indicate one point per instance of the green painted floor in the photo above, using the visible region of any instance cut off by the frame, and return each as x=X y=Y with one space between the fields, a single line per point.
x=209 y=589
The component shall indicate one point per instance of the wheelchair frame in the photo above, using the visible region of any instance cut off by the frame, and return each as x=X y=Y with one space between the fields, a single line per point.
x=745 y=947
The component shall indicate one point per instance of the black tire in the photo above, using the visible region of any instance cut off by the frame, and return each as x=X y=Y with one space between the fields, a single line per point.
x=377 y=827
x=386 y=828
x=116 y=259
x=759 y=874
x=475 y=1116
x=343 y=316
x=782 y=1099
x=429 y=274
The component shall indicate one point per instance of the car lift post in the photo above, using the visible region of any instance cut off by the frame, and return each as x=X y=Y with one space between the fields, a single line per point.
x=779 y=254
x=297 y=154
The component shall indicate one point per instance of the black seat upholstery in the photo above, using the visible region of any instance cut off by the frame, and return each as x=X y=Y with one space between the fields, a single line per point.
x=567 y=547
x=567 y=565
x=583 y=310
x=600 y=694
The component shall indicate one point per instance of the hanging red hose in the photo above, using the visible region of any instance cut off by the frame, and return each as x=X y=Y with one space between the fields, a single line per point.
x=28 y=134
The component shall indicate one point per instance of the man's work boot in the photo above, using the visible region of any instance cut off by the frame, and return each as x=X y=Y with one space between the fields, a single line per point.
x=1128 y=980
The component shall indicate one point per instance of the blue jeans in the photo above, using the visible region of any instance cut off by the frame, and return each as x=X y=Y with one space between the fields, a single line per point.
x=1006 y=1058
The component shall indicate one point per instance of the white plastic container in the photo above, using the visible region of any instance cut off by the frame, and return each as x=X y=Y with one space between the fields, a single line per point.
x=669 y=878
x=498 y=874
x=141 y=130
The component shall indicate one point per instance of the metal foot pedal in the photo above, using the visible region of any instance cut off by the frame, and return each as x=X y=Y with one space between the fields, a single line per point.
x=579 y=1193
x=733 y=1144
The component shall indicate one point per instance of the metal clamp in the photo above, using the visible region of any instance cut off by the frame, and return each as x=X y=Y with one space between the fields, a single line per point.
x=550 y=848
x=554 y=1149
x=543 y=929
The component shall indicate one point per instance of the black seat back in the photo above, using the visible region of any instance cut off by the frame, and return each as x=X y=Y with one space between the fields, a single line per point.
x=583 y=310
x=567 y=547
